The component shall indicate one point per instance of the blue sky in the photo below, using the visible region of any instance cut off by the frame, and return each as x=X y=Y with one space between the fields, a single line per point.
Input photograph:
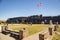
x=17 y=8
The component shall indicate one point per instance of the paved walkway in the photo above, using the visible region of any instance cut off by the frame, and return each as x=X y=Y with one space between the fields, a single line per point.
x=5 y=37
x=36 y=36
x=58 y=32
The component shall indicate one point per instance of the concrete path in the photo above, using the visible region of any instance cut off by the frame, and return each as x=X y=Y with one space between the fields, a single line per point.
x=58 y=32
x=35 y=36
x=5 y=37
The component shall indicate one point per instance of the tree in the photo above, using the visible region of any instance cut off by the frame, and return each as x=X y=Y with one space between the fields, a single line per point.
x=41 y=16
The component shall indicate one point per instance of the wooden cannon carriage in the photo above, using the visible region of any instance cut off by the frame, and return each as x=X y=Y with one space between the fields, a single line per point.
x=19 y=34
x=16 y=34
x=5 y=30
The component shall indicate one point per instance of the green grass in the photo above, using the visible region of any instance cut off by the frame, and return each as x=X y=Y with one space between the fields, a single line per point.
x=58 y=28
x=56 y=36
x=32 y=29
x=1 y=25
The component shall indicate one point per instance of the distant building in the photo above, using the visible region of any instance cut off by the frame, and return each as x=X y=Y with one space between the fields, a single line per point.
x=35 y=19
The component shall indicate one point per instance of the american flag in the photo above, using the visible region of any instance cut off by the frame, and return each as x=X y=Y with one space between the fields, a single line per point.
x=39 y=4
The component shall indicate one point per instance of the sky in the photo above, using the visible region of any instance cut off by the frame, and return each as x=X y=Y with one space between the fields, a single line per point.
x=19 y=8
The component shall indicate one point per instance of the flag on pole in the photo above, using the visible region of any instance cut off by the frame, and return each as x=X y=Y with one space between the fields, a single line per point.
x=39 y=4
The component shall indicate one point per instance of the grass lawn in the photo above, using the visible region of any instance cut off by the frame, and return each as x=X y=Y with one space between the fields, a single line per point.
x=59 y=29
x=34 y=28
x=56 y=36
x=1 y=25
